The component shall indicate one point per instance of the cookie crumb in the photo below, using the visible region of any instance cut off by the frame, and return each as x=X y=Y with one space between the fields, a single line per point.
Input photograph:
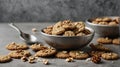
x=36 y=57
x=34 y=30
x=81 y=52
x=69 y=59
x=39 y=60
x=24 y=59
x=88 y=59
x=45 y=61
x=112 y=61
x=65 y=52
x=31 y=59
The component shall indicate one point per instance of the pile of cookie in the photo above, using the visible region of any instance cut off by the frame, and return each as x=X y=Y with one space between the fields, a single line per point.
x=106 y=21
x=106 y=40
x=63 y=28
x=100 y=50
x=67 y=28
x=20 y=51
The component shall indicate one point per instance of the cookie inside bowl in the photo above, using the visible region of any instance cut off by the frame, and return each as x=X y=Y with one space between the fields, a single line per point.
x=67 y=28
x=105 y=26
x=67 y=35
x=109 y=21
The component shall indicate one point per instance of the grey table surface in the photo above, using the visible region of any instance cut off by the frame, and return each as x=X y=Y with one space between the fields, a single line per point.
x=8 y=35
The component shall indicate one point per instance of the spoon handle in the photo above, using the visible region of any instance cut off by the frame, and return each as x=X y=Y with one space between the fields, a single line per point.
x=15 y=27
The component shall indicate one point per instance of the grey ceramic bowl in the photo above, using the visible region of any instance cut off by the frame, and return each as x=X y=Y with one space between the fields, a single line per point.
x=65 y=42
x=104 y=30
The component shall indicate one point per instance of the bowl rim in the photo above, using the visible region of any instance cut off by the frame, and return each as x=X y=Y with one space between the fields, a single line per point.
x=91 y=30
x=89 y=22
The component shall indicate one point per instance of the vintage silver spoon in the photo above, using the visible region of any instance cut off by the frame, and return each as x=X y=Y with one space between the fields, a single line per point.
x=29 y=39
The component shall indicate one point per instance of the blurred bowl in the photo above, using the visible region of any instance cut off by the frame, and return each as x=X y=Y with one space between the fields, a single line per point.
x=105 y=30
x=65 y=42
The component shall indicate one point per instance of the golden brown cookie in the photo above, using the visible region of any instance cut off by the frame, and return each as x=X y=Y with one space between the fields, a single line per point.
x=46 y=52
x=96 y=53
x=112 y=23
x=19 y=53
x=117 y=20
x=106 y=19
x=103 y=23
x=104 y=40
x=37 y=47
x=80 y=26
x=57 y=31
x=78 y=54
x=62 y=54
x=110 y=56
x=69 y=33
x=116 y=41
x=5 y=58
x=98 y=19
x=80 y=34
x=68 y=25
x=99 y=47
x=15 y=46
x=95 y=22
x=86 y=32
x=48 y=30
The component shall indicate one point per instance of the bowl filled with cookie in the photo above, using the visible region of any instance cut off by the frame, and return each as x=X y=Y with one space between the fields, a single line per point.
x=67 y=35
x=105 y=26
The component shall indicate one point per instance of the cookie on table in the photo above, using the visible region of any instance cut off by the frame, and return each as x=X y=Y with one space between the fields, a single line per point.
x=116 y=41
x=104 y=40
x=46 y=52
x=37 y=47
x=62 y=54
x=15 y=46
x=110 y=56
x=5 y=58
x=19 y=53
x=99 y=47
x=96 y=53
x=78 y=54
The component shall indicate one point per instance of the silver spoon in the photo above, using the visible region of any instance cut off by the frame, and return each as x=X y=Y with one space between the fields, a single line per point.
x=29 y=39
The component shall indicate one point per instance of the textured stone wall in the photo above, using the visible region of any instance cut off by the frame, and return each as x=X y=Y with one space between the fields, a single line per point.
x=55 y=10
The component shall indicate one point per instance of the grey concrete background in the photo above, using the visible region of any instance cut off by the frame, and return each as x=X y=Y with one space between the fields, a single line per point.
x=55 y=10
